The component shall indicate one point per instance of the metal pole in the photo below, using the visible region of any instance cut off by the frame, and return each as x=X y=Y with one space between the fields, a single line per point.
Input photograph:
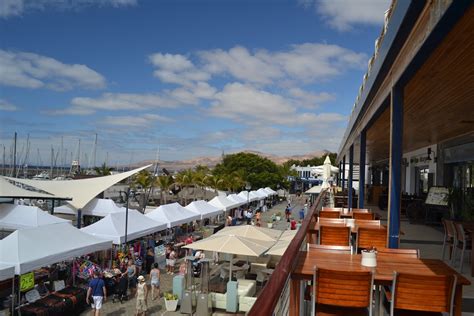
x=362 y=168
x=79 y=218
x=350 y=177
x=126 y=215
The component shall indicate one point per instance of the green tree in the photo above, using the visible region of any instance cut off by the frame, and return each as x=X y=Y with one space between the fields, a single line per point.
x=143 y=182
x=103 y=170
x=185 y=180
x=164 y=182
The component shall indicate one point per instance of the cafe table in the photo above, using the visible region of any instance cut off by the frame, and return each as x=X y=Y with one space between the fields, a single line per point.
x=383 y=272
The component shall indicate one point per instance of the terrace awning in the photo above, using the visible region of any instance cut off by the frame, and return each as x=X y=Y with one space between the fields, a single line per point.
x=82 y=191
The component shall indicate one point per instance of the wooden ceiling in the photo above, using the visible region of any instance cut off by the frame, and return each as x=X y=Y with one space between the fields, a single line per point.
x=439 y=99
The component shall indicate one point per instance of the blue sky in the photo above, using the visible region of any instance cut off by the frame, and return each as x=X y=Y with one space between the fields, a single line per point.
x=193 y=78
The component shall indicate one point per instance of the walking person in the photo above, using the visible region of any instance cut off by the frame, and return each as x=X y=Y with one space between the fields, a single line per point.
x=155 y=282
x=98 y=292
x=172 y=261
x=142 y=294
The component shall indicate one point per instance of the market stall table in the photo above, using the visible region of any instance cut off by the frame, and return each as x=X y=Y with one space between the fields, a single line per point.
x=383 y=273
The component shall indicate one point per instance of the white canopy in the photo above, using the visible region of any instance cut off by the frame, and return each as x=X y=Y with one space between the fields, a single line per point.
x=6 y=271
x=259 y=195
x=204 y=209
x=13 y=217
x=173 y=215
x=96 y=207
x=32 y=248
x=263 y=192
x=112 y=227
x=82 y=191
x=237 y=198
x=223 y=202
x=8 y=190
x=248 y=196
x=314 y=190
x=271 y=191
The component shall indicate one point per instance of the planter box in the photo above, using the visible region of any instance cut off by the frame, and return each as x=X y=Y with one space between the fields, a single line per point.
x=278 y=218
x=171 y=305
x=270 y=225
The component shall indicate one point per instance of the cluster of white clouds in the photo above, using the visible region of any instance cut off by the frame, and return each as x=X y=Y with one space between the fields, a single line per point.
x=10 y=8
x=267 y=93
x=344 y=15
x=30 y=70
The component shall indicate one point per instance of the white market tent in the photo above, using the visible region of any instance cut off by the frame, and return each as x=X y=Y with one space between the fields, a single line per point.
x=32 y=248
x=223 y=202
x=112 y=227
x=263 y=192
x=96 y=207
x=81 y=191
x=260 y=195
x=248 y=196
x=173 y=215
x=13 y=217
x=314 y=190
x=271 y=191
x=237 y=198
x=8 y=190
x=6 y=271
x=204 y=209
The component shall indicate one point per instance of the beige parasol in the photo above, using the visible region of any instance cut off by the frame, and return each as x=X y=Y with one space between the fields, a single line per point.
x=251 y=231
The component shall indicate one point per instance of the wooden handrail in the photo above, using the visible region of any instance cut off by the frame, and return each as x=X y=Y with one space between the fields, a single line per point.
x=268 y=298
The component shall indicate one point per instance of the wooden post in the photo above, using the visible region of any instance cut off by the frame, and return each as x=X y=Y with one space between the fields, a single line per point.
x=295 y=297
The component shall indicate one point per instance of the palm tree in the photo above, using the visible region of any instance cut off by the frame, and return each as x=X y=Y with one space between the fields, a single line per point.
x=164 y=182
x=185 y=180
x=103 y=170
x=143 y=180
x=215 y=182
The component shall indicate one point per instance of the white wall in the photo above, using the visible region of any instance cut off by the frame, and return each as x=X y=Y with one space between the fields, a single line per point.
x=410 y=184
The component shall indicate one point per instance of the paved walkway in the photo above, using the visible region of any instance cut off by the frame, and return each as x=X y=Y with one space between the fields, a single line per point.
x=157 y=307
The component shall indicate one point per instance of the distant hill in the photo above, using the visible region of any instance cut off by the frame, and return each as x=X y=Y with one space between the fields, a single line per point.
x=177 y=165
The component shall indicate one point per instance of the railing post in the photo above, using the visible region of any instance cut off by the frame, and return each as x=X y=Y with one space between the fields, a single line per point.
x=343 y=172
x=396 y=148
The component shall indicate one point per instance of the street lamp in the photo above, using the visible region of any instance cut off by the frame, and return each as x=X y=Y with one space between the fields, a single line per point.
x=128 y=194
x=248 y=186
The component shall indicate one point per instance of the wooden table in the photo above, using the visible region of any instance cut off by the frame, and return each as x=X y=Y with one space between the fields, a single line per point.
x=315 y=228
x=383 y=273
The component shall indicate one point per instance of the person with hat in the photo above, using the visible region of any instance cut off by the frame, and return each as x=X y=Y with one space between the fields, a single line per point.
x=142 y=294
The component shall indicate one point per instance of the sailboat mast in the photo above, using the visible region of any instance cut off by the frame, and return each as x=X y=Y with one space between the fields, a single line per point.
x=14 y=156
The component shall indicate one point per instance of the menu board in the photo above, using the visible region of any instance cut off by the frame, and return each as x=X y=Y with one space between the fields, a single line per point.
x=437 y=196
x=27 y=281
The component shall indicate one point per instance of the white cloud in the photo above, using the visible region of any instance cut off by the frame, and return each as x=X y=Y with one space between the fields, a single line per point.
x=29 y=70
x=7 y=106
x=9 y=8
x=343 y=15
x=135 y=121
x=249 y=105
x=176 y=69
x=310 y=100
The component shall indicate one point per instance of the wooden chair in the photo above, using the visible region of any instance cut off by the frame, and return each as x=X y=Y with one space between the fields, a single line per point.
x=361 y=210
x=463 y=242
x=329 y=214
x=334 y=235
x=449 y=237
x=330 y=249
x=342 y=292
x=363 y=215
x=414 y=294
x=399 y=253
x=367 y=222
x=368 y=237
x=333 y=209
x=331 y=221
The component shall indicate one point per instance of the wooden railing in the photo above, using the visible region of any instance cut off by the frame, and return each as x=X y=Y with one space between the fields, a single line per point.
x=273 y=292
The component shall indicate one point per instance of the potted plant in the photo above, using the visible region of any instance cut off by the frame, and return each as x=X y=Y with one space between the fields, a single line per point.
x=270 y=224
x=171 y=301
x=278 y=216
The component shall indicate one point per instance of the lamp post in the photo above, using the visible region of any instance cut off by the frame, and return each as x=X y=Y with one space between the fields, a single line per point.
x=248 y=187
x=129 y=193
